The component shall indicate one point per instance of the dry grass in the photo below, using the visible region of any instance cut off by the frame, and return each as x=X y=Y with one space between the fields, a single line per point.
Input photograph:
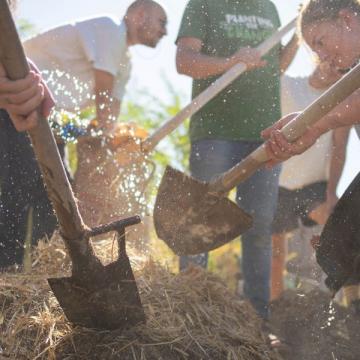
x=191 y=315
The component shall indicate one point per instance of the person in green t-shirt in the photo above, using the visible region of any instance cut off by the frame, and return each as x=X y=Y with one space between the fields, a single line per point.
x=214 y=36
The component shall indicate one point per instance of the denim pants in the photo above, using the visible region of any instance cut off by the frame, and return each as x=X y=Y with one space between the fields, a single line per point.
x=258 y=197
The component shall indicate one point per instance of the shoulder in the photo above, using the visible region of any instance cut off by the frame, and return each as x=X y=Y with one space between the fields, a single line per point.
x=101 y=22
x=271 y=10
x=196 y=5
x=271 y=6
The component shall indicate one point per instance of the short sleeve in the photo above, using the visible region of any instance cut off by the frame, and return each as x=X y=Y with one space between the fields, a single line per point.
x=194 y=21
x=277 y=21
x=103 y=43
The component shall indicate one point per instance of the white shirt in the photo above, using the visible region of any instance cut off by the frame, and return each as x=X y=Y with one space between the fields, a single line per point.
x=67 y=56
x=313 y=165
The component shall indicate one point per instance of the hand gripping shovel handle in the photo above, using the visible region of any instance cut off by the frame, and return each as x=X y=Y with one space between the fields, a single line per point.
x=208 y=94
x=293 y=130
x=58 y=187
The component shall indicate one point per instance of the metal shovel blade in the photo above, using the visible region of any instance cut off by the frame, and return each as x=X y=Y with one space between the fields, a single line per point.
x=191 y=220
x=112 y=300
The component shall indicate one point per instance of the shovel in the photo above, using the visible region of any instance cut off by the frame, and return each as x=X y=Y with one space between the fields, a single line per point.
x=203 y=98
x=193 y=217
x=95 y=295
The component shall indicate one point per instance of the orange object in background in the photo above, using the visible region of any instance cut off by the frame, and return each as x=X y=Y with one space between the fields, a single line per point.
x=126 y=142
x=278 y=265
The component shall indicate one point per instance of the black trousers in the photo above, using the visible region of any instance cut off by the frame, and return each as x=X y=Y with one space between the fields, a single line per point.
x=21 y=188
x=338 y=252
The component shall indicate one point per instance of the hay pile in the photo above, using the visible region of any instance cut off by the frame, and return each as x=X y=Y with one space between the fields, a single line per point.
x=189 y=316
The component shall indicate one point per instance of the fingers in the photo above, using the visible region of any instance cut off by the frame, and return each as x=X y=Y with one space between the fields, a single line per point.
x=25 y=95
x=16 y=86
x=250 y=57
x=265 y=134
x=29 y=105
x=21 y=99
x=280 y=147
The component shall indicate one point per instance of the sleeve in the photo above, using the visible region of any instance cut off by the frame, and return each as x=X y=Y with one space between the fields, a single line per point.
x=194 y=21
x=103 y=44
x=277 y=21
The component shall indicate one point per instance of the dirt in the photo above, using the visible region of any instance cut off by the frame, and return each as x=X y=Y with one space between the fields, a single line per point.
x=313 y=327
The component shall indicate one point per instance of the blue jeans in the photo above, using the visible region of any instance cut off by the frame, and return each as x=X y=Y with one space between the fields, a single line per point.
x=258 y=197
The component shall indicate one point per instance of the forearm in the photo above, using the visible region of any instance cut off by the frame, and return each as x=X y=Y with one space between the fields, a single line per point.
x=200 y=66
x=338 y=157
x=107 y=107
x=345 y=114
x=107 y=110
x=288 y=53
x=336 y=168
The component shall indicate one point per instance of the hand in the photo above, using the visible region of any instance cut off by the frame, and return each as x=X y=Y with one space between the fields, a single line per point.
x=250 y=57
x=322 y=212
x=21 y=98
x=279 y=149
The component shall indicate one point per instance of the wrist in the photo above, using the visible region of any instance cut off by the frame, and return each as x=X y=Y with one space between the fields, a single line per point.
x=331 y=194
x=324 y=125
x=229 y=62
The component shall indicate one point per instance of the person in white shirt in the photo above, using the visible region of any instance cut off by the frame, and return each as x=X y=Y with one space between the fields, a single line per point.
x=308 y=182
x=87 y=62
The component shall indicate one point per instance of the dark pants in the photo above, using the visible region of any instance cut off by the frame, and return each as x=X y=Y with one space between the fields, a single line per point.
x=338 y=252
x=21 y=188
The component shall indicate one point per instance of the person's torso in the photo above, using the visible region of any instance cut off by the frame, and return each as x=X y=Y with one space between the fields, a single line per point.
x=62 y=56
x=313 y=165
x=251 y=102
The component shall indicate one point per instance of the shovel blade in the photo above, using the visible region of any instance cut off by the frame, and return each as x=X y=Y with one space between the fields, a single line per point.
x=109 y=302
x=191 y=220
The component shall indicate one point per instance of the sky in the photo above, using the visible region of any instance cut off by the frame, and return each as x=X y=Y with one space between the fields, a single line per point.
x=152 y=66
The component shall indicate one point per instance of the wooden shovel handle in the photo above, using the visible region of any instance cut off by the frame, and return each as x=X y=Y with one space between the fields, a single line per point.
x=293 y=130
x=58 y=187
x=209 y=93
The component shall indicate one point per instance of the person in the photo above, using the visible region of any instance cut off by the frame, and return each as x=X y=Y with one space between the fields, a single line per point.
x=331 y=28
x=306 y=197
x=22 y=193
x=213 y=37
x=88 y=63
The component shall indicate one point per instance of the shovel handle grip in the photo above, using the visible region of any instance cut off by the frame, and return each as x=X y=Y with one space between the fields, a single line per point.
x=58 y=187
x=221 y=83
x=292 y=131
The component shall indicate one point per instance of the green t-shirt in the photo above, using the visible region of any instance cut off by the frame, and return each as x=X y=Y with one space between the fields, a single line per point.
x=252 y=102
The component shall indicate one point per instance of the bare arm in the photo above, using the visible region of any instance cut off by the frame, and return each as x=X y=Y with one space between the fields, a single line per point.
x=288 y=53
x=190 y=61
x=337 y=161
x=279 y=149
x=107 y=108
x=345 y=114
x=338 y=155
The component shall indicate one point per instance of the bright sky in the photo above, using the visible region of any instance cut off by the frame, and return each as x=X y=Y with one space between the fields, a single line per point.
x=151 y=65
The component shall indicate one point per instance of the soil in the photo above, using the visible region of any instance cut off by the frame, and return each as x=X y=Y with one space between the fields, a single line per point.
x=312 y=327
